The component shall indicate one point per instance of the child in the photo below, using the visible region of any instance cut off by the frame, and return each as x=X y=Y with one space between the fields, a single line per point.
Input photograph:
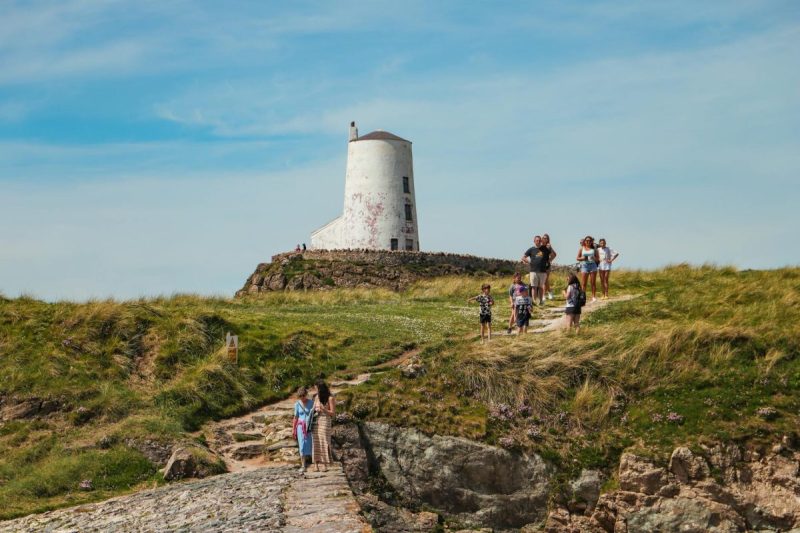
x=513 y=292
x=522 y=309
x=486 y=302
x=573 y=309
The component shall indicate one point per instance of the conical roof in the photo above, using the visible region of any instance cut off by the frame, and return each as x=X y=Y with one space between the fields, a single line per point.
x=380 y=135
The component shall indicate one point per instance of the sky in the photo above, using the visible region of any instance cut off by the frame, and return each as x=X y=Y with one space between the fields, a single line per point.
x=158 y=147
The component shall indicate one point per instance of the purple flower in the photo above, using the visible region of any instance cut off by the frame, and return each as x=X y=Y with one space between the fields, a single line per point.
x=501 y=411
x=657 y=418
x=674 y=417
x=534 y=433
x=525 y=410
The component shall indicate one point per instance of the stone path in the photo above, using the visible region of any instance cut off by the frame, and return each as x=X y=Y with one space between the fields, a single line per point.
x=270 y=499
x=262 y=437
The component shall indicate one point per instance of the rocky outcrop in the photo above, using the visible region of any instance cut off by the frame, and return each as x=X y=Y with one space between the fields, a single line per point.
x=156 y=452
x=24 y=408
x=475 y=483
x=748 y=492
x=326 y=269
x=192 y=462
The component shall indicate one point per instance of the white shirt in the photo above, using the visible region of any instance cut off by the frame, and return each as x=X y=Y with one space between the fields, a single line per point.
x=606 y=254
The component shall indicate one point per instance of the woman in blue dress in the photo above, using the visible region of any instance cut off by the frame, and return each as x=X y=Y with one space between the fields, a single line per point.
x=301 y=425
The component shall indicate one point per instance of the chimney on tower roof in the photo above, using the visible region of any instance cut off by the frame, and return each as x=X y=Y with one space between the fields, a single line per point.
x=353 y=131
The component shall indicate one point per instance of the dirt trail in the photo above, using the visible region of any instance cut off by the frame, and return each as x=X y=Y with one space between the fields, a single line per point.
x=553 y=317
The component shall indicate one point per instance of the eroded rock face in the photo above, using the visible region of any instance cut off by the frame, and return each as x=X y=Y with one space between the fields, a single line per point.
x=639 y=474
x=755 y=492
x=480 y=484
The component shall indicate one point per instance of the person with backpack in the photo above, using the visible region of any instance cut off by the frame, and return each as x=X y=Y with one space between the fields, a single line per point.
x=513 y=291
x=576 y=298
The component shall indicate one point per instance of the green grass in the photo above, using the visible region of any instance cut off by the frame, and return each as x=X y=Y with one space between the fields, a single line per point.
x=690 y=360
x=157 y=369
x=711 y=345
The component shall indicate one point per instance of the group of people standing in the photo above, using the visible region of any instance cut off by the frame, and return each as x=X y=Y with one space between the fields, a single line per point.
x=311 y=426
x=591 y=259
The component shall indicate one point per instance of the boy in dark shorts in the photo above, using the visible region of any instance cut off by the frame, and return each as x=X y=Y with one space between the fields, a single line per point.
x=522 y=309
x=486 y=302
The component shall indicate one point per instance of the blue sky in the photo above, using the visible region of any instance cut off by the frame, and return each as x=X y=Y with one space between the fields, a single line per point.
x=158 y=147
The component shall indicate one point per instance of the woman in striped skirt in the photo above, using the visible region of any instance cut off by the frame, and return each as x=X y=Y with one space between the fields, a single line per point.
x=325 y=407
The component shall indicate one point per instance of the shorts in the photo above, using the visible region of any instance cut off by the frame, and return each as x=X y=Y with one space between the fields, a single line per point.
x=523 y=320
x=587 y=268
x=604 y=266
x=538 y=279
x=572 y=310
x=486 y=319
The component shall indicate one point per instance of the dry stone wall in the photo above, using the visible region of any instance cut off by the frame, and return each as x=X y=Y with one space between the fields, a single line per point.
x=395 y=270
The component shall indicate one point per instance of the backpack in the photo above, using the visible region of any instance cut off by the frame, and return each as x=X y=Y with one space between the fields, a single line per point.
x=580 y=295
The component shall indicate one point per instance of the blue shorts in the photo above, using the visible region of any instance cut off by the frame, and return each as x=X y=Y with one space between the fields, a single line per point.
x=588 y=267
x=523 y=320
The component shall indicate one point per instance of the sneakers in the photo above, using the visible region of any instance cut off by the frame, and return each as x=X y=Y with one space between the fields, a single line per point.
x=550 y=295
x=594 y=299
x=508 y=331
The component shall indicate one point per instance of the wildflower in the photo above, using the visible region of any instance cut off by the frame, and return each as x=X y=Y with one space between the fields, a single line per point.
x=674 y=417
x=501 y=411
x=534 y=433
x=506 y=442
x=624 y=418
x=767 y=413
x=657 y=418
x=524 y=410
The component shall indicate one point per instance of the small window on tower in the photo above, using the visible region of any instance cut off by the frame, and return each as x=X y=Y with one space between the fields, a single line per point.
x=394 y=244
x=406 y=185
x=410 y=245
x=408 y=212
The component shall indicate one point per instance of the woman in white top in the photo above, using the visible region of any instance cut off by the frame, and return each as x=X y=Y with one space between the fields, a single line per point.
x=606 y=256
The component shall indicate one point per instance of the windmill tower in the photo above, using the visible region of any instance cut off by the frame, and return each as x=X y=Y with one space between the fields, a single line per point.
x=380 y=210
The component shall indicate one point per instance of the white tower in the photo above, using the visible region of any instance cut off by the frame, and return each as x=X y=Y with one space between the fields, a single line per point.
x=380 y=211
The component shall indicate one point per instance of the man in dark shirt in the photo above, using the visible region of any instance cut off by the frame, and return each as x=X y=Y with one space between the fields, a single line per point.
x=538 y=257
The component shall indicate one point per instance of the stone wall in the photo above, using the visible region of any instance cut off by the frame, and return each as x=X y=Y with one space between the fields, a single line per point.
x=395 y=270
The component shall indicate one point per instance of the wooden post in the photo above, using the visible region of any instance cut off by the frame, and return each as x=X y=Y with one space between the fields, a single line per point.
x=232 y=344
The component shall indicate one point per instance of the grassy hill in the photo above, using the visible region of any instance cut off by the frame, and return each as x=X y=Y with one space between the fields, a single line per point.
x=701 y=354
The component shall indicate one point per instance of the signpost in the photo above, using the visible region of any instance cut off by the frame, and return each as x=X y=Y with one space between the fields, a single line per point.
x=232 y=344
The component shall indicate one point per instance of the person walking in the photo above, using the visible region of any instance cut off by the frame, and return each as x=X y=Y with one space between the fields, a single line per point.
x=588 y=258
x=513 y=291
x=552 y=256
x=606 y=256
x=572 y=311
x=301 y=430
x=324 y=410
x=537 y=256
